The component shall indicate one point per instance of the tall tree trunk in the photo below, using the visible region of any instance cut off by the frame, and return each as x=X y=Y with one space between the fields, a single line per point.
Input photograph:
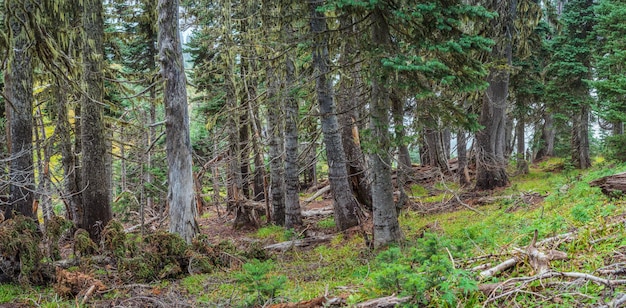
x=548 y=134
x=71 y=176
x=617 y=128
x=580 y=138
x=180 y=194
x=349 y=98
x=276 y=148
x=435 y=145
x=293 y=216
x=19 y=90
x=522 y=165
x=347 y=210
x=386 y=226
x=491 y=140
x=461 y=146
x=96 y=193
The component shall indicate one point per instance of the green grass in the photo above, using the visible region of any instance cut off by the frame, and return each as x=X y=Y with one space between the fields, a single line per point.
x=326 y=223
x=9 y=293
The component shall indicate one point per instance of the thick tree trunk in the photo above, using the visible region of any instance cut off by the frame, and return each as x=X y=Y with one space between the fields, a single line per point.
x=386 y=226
x=19 y=90
x=490 y=163
x=491 y=140
x=349 y=97
x=293 y=215
x=580 y=138
x=180 y=196
x=346 y=207
x=96 y=191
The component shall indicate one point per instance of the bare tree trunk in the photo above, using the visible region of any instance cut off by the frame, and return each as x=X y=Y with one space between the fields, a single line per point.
x=435 y=145
x=580 y=138
x=19 y=92
x=71 y=176
x=461 y=146
x=491 y=140
x=180 y=194
x=348 y=102
x=617 y=128
x=548 y=134
x=293 y=215
x=386 y=226
x=346 y=206
x=276 y=148
x=522 y=165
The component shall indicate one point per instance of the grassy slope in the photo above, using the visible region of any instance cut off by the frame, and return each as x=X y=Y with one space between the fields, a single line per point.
x=344 y=267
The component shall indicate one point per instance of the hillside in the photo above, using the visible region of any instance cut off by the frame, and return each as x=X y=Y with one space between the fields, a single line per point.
x=462 y=248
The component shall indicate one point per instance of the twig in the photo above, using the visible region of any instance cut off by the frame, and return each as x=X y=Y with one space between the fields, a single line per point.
x=87 y=294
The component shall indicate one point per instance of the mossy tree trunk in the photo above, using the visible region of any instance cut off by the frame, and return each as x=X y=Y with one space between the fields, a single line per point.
x=96 y=195
x=19 y=93
x=180 y=196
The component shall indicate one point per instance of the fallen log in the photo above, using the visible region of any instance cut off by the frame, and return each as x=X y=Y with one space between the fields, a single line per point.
x=282 y=246
x=384 y=302
x=612 y=185
x=320 y=192
x=321 y=301
x=325 y=211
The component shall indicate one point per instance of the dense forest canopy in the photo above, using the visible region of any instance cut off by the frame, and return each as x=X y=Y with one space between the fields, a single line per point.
x=145 y=111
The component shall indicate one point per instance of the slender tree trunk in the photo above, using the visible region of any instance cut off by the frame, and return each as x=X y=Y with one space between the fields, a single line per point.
x=548 y=134
x=522 y=165
x=19 y=90
x=276 y=148
x=386 y=226
x=461 y=145
x=580 y=138
x=348 y=102
x=180 y=194
x=293 y=216
x=617 y=128
x=347 y=210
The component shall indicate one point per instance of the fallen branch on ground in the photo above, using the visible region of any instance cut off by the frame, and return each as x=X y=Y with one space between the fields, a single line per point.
x=320 y=192
x=325 y=211
x=383 y=302
x=299 y=243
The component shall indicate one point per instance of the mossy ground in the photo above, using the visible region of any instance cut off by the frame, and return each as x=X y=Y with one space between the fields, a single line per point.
x=344 y=266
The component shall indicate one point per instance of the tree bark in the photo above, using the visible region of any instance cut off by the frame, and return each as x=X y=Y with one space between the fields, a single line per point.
x=461 y=145
x=19 y=90
x=386 y=226
x=580 y=138
x=349 y=98
x=180 y=194
x=96 y=193
x=293 y=216
x=346 y=206
x=546 y=141
x=522 y=165
x=491 y=140
x=276 y=148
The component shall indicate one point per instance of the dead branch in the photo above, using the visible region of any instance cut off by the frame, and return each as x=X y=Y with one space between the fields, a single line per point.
x=499 y=268
x=133 y=228
x=320 y=192
x=299 y=243
x=617 y=302
x=325 y=211
x=384 y=302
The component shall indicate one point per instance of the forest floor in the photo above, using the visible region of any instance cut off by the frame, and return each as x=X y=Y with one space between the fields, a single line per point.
x=547 y=240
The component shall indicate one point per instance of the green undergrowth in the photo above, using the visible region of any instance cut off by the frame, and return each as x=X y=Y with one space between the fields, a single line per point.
x=432 y=265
